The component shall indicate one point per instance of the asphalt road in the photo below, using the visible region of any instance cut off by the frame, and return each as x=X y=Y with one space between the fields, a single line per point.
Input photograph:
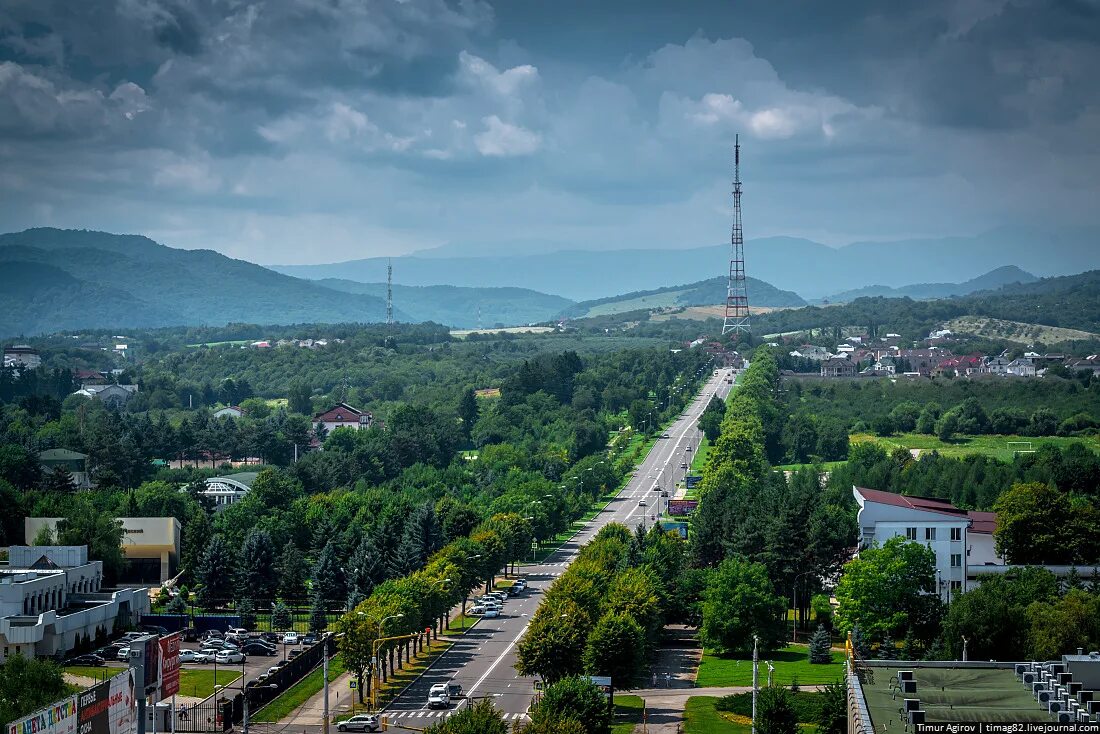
x=483 y=660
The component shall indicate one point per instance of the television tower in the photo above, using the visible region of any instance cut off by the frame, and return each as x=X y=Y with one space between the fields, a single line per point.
x=389 y=292
x=737 y=294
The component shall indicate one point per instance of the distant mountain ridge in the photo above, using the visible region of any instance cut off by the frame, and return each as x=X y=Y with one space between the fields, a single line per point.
x=811 y=269
x=702 y=293
x=996 y=278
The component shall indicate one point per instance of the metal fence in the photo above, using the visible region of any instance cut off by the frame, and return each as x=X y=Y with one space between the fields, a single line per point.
x=208 y=716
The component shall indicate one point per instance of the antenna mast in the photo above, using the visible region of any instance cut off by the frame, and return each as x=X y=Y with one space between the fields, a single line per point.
x=389 y=291
x=737 y=294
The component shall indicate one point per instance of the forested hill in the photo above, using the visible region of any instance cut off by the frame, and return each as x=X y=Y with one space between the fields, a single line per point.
x=702 y=293
x=462 y=307
x=1067 y=301
x=63 y=279
x=997 y=278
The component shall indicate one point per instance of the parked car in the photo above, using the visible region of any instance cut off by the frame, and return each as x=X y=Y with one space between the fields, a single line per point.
x=438 y=697
x=291 y=638
x=237 y=632
x=256 y=647
x=476 y=609
x=294 y=653
x=210 y=652
x=362 y=722
x=154 y=629
x=272 y=637
x=189 y=634
x=90 y=659
x=310 y=639
x=492 y=613
x=278 y=664
x=203 y=656
x=187 y=656
x=227 y=657
x=124 y=653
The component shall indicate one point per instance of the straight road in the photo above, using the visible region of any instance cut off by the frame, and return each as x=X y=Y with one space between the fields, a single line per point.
x=483 y=660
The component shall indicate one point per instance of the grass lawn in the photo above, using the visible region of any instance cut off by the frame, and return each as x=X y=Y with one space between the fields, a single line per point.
x=700 y=459
x=293 y=697
x=826 y=465
x=993 y=446
x=460 y=624
x=628 y=712
x=791 y=663
x=198 y=682
x=700 y=717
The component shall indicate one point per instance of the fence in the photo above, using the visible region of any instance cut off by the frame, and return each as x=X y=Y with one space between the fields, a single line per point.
x=202 y=620
x=207 y=716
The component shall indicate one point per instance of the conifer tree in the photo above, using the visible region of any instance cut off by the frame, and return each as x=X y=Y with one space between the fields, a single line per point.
x=820 y=644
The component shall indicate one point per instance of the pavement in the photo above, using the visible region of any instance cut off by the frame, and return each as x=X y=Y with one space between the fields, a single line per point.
x=483 y=660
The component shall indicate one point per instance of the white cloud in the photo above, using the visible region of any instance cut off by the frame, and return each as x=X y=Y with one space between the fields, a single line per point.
x=501 y=139
x=477 y=71
x=194 y=176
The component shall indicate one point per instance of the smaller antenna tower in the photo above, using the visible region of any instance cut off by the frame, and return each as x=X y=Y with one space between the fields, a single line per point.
x=737 y=294
x=479 y=315
x=389 y=291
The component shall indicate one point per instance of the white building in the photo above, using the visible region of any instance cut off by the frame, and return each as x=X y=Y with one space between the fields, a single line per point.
x=1022 y=367
x=231 y=411
x=230 y=489
x=22 y=355
x=150 y=545
x=50 y=595
x=960 y=539
x=342 y=415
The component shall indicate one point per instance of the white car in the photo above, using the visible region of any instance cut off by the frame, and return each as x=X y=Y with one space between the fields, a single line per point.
x=226 y=657
x=124 y=653
x=291 y=638
x=187 y=656
x=492 y=613
x=362 y=722
x=439 y=701
x=476 y=609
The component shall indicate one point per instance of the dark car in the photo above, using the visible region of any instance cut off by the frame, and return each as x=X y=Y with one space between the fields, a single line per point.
x=154 y=629
x=310 y=639
x=257 y=647
x=189 y=634
x=87 y=660
x=295 y=653
x=272 y=637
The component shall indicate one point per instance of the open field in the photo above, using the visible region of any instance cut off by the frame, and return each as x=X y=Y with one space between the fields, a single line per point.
x=994 y=446
x=463 y=333
x=1016 y=331
x=702 y=313
x=791 y=663
x=700 y=717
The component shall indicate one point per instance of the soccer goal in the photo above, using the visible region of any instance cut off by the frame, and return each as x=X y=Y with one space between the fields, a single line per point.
x=1019 y=447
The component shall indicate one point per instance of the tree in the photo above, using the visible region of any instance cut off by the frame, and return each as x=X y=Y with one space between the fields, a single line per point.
x=888 y=588
x=100 y=531
x=820 y=644
x=1032 y=525
x=365 y=569
x=468 y=412
x=216 y=572
x=823 y=610
x=553 y=647
x=550 y=726
x=578 y=699
x=44 y=536
x=300 y=398
x=327 y=577
x=1044 y=422
x=281 y=618
x=887 y=650
x=318 y=613
x=740 y=602
x=910 y=648
x=177 y=605
x=832 y=717
x=616 y=647
x=926 y=422
x=860 y=644
x=775 y=713
x=948 y=425
x=1062 y=625
x=58 y=479
x=293 y=571
x=258 y=577
x=246 y=610
x=479 y=718
x=28 y=684
x=992 y=617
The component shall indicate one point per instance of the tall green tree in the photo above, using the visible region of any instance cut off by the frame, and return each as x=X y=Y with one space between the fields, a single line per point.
x=739 y=603
x=28 y=684
x=616 y=648
x=468 y=412
x=300 y=398
x=86 y=524
x=577 y=699
x=775 y=711
x=293 y=571
x=478 y=718
x=327 y=577
x=257 y=579
x=888 y=588
x=832 y=717
x=553 y=646
x=217 y=573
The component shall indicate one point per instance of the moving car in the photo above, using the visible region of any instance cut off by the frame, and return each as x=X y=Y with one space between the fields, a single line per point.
x=492 y=613
x=454 y=689
x=90 y=659
x=642 y=503
x=362 y=722
x=438 y=697
x=227 y=657
x=664 y=435
x=683 y=465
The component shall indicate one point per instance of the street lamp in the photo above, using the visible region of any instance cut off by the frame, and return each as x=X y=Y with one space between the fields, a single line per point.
x=447 y=611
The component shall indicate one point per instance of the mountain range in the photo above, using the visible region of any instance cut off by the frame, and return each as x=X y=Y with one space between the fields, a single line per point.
x=996 y=278
x=809 y=268
x=703 y=293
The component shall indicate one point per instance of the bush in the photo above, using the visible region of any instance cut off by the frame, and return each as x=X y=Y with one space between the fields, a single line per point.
x=775 y=712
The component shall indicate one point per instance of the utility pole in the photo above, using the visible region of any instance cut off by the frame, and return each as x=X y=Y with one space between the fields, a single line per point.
x=389 y=292
x=755 y=679
x=324 y=676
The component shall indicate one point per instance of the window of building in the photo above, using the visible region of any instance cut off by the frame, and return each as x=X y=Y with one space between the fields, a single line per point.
x=911 y=533
x=956 y=533
x=956 y=585
x=929 y=533
x=956 y=560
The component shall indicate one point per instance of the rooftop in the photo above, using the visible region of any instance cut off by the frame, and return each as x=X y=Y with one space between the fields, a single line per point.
x=952 y=694
x=926 y=504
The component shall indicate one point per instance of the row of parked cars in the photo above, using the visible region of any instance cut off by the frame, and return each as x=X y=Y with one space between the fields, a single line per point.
x=222 y=648
x=492 y=604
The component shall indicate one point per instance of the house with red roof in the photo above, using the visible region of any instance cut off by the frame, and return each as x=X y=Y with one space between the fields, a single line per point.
x=343 y=415
x=961 y=539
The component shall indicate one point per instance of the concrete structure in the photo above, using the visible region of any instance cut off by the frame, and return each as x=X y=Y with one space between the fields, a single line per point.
x=75 y=462
x=118 y=395
x=151 y=545
x=51 y=595
x=343 y=415
x=227 y=490
x=958 y=538
x=231 y=411
x=22 y=356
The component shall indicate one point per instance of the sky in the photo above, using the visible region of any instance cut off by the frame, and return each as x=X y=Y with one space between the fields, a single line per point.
x=304 y=131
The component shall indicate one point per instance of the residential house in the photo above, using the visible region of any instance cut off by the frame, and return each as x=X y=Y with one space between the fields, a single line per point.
x=996 y=365
x=74 y=462
x=924 y=360
x=52 y=595
x=89 y=377
x=838 y=367
x=958 y=538
x=342 y=415
x=811 y=351
x=959 y=366
x=22 y=356
x=117 y=395
x=232 y=411
x=1090 y=364
x=230 y=489
x=1021 y=367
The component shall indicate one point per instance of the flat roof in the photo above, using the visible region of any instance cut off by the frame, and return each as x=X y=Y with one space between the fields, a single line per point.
x=953 y=695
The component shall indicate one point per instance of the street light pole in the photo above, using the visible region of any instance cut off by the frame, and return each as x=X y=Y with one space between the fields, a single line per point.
x=755 y=679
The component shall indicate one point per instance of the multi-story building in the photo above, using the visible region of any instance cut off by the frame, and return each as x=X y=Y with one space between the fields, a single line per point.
x=51 y=598
x=22 y=355
x=150 y=545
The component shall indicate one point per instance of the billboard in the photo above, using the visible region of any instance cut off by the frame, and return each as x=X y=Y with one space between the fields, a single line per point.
x=110 y=707
x=57 y=718
x=169 y=665
x=671 y=526
x=682 y=507
x=692 y=480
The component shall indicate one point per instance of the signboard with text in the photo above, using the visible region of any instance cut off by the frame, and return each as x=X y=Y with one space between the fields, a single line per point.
x=169 y=665
x=692 y=480
x=109 y=707
x=57 y=718
x=680 y=508
x=672 y=526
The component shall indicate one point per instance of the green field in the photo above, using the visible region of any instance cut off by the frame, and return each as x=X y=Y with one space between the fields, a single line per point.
x=994 y=446
x=700 y=717
x=460 y=624
x=700 y=458
x=792 y=664
x=281 y=706
x=197 y=682
x=628 y=713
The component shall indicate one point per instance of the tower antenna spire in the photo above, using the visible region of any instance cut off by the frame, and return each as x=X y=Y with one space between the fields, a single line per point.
x=737 y=294
x=389 y=291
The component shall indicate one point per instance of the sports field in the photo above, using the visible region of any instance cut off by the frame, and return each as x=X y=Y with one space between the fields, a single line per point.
x=953 y=695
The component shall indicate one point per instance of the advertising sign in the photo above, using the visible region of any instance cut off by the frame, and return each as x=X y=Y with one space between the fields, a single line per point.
x=57 y=718
x=682 y=507
x=680 y=528
x=169 y=665
x=108 y=708
x=692 y=480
